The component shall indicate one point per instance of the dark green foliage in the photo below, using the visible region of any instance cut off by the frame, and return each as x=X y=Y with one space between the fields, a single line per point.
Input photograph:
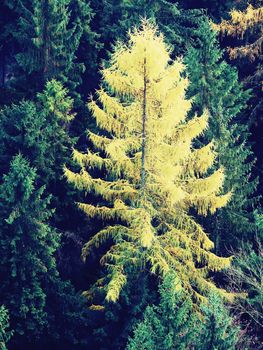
x=173 y=323
x=89 y=46
x=28 y=245
x=217 y=332
x=39 y=302
x=5 y=334
x=46 y=42
x=243 y=44
x=68 y=317
x=170 y=325
x=39 y=130
x=114 y=18
x=215 y=86
x=113 y=323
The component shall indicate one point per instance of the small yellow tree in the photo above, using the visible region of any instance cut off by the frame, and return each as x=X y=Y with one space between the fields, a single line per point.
x=247 y=27
x=153 y=174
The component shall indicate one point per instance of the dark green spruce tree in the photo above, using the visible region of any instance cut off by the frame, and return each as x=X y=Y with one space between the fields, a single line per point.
x=28 y=245
x=89 y=45
x=112 y=323
x=169 y=325
x=218 y=331
x=39 y=130
x=46 y=38
x=173 y=324
x=114 y=18
x=215 y=86
x=39 y=302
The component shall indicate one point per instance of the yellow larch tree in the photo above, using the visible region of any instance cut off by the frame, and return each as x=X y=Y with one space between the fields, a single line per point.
x=153 y=173
x=247 y=27
x=243 y=33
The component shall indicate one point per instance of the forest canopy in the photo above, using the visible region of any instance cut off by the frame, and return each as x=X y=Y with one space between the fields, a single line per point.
x=131 y=175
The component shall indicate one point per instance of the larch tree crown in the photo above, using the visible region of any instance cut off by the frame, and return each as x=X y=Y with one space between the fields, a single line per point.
x=154 y=175
x=244 y=23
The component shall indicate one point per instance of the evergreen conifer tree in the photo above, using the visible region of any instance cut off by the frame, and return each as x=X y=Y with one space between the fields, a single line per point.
x=39 y=130
x=39 y=302
x=170 y=325
x=242 y=35
x=114 y=322
x=173 y=325
x=90 y=44
x=47 y=40
x=115 y=18
x=217 y=331
x=28 y=245
x=215 y=86
x=151 y=175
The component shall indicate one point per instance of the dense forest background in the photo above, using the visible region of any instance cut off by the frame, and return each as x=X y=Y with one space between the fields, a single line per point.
x=53 y=54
